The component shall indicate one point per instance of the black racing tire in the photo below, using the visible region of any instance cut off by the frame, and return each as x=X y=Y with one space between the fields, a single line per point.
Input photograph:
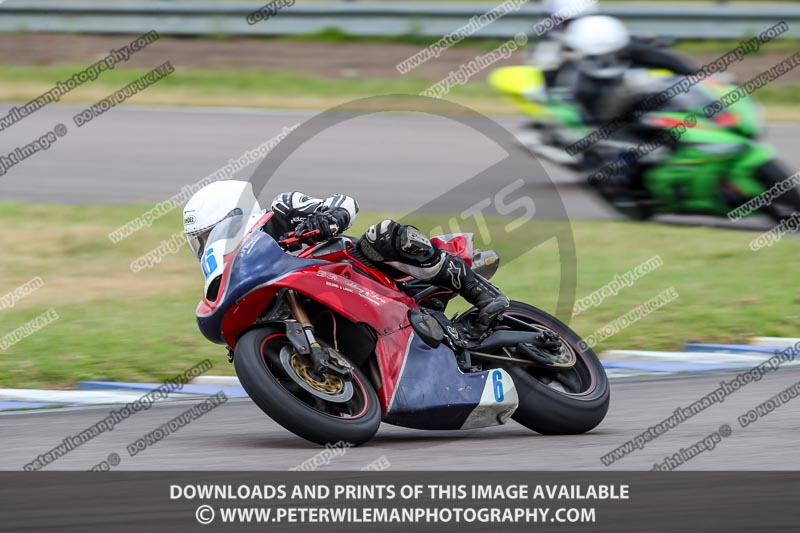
x=550 y=411
x=258 y=378
x=785 y=205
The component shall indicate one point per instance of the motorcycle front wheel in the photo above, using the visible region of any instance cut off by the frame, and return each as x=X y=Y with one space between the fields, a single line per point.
x=323 y=409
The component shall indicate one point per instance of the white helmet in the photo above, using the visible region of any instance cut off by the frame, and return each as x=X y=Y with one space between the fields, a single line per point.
x=599 y=39
x=570 y=9
x=219 y=213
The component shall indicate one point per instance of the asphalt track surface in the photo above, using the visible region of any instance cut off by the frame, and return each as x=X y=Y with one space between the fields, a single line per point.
x=237 y=436
x=392 y=163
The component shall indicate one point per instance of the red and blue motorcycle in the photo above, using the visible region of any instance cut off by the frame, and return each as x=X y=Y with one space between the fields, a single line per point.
x=328 y=344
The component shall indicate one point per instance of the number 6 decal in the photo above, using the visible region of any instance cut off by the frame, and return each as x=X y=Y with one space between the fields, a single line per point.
x=497 y=380
x=209 y=262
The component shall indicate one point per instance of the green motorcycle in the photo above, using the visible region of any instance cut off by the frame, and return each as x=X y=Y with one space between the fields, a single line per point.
x=674 y=158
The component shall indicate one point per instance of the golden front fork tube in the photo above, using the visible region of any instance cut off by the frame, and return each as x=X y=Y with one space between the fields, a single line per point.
x=302 y=317
x=297 y=310
x=319 y=357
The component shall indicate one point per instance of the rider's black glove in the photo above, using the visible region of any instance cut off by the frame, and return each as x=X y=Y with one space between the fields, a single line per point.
x=329 y=223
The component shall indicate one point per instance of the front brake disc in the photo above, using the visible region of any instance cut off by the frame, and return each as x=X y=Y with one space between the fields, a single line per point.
x=300 y=370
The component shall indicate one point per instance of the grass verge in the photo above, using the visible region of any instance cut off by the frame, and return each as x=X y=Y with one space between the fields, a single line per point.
x=117 y=325
x=241 y=88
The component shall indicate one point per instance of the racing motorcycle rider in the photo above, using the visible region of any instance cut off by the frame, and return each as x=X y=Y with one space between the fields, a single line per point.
x=608 y=89
x=602 y=88
x=401 y=247
x=555 y=54
x=552 y=56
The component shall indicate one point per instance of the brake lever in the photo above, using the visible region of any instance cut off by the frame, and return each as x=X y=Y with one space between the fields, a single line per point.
x=291 y=239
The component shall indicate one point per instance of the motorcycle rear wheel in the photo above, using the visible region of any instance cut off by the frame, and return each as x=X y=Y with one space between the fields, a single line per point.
x=559 y=403
x=787 y=204
x=257 y=359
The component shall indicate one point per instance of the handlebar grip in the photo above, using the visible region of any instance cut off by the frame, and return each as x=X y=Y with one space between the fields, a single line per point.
x=292 y=238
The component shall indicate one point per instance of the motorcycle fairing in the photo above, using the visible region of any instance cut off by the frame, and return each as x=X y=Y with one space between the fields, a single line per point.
x=457 y=244
x=430 y=392
x=261 y=268
x=257 y=262
x=707 y=155
x=517 y=83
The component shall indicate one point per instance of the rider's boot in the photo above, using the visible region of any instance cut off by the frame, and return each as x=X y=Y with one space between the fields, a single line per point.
x=457 y=276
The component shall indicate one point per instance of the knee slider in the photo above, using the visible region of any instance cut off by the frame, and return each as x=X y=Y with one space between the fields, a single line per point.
x=415 y=246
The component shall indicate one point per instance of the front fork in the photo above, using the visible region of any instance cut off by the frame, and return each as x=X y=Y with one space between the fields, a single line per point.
x=325 y=360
